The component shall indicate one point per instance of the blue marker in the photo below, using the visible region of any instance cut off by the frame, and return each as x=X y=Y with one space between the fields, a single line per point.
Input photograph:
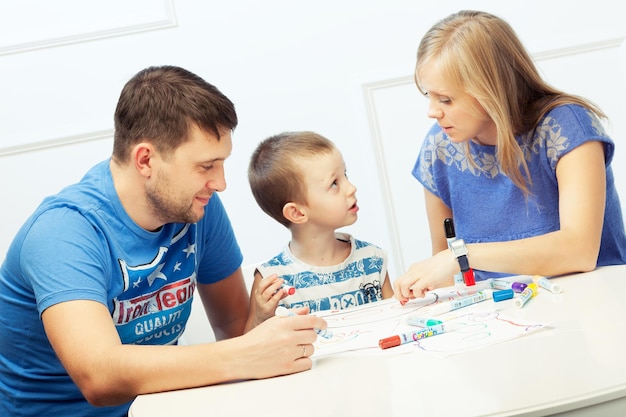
x=502 y=295
x=282 y=311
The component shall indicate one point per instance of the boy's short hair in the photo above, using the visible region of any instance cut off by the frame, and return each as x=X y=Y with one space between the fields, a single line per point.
x=274 y=175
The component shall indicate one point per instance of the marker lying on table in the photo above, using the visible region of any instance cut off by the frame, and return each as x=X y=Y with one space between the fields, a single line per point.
x=502 y=295
x=456 y=304
x=544 y=282
x=422 y=321
x=282 y=311
x=498 y=284
x=409 y=337
x=526 y=295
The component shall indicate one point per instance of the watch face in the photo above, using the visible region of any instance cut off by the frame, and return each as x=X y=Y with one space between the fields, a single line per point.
x=458 y=247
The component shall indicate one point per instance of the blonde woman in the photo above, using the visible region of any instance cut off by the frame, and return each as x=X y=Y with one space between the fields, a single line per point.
x=521 y=167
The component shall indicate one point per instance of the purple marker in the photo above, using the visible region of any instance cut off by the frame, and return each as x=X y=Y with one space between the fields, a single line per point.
x=498 y=284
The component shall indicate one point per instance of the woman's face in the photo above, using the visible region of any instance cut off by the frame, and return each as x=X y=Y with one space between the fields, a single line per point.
x=460 y=115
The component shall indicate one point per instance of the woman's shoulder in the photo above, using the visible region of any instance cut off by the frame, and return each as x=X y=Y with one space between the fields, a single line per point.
x=565 y=128
x=571 y=119
x=571 y=113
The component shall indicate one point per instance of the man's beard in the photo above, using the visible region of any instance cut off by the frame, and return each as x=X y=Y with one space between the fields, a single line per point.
x=165 y=208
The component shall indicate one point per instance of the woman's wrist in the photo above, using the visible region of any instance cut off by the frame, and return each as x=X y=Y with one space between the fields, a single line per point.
x=459 y=250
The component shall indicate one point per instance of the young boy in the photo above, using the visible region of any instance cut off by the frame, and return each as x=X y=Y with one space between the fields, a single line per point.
x=299 y=179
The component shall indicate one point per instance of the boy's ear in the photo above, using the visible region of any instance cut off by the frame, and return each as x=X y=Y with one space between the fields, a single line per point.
x=294 y=214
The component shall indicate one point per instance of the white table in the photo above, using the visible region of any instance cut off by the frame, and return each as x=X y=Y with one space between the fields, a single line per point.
x=575 y=366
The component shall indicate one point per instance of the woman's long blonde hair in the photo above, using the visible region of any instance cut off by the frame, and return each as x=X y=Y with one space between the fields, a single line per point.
x=481 y=54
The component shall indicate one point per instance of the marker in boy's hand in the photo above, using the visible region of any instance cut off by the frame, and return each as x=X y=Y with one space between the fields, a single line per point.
x=265 y=295
x=275 y=284
x=287 y=289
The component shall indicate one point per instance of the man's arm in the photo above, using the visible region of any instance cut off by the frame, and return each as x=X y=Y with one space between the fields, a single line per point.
x=109 y=373
x=226 y=304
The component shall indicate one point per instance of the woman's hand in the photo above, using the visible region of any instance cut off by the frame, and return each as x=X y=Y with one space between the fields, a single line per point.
x=426 y=275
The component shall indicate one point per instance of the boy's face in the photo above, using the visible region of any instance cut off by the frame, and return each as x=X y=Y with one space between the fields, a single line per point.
x=331 y=198
x=184 y=182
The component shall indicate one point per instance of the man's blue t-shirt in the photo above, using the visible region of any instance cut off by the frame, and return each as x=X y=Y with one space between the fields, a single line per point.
x=81 y=245
x=488 y=207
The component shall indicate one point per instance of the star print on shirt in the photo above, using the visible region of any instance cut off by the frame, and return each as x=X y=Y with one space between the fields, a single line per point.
x=156 y=301
x=156 y=274
x=190 y=250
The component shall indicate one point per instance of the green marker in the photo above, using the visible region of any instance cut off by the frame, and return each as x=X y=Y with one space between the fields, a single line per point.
x=422 y=321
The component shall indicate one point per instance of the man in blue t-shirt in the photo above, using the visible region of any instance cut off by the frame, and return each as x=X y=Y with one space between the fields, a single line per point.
x=97 y=285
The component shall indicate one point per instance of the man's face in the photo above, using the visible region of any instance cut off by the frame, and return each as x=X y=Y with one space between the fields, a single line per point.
x=183 y=183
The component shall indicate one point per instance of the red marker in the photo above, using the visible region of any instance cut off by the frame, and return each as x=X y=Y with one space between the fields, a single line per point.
x=288 y=289
x=468 y=277
x=409 y=337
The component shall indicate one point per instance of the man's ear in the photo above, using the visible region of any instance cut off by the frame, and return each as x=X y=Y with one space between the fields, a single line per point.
x=143 y=155
x=294 y=213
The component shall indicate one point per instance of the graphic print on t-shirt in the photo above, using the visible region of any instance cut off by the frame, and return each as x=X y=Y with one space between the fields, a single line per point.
x=156 y=302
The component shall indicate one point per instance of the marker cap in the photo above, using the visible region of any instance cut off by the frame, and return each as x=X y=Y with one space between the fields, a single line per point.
x=518 y=286
x=502 y=295
x=389 y=342
x=448 y=226
x=468 y=277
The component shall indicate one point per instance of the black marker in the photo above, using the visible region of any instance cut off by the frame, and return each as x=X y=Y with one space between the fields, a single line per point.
x=448 y=226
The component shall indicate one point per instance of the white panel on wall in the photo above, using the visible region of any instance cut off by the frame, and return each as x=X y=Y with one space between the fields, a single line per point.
x=398 y=123
x=32 y=24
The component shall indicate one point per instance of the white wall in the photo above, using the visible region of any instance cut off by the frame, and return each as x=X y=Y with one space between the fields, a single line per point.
x=339 y=67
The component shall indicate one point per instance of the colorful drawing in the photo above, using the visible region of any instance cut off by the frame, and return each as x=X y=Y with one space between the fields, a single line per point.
x=360 y=329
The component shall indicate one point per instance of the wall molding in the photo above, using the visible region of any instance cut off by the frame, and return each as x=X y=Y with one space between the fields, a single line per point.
x=369 y=93
x=57 y=143
x=579 y=48
x=163 y=19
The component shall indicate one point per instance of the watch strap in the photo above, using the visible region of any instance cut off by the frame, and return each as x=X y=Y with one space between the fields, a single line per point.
x=460 y=252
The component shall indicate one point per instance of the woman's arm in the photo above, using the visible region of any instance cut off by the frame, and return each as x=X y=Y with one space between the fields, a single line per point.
x=581 y=176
